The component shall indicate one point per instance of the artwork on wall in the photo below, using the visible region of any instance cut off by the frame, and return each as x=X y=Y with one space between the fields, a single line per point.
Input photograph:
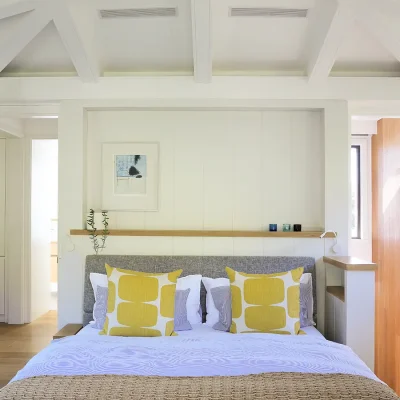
x=130 y=176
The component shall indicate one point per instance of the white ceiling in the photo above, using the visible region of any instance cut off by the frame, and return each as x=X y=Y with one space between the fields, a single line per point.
x=147 y=44
x=223 y=44
x=362 y=54
x=257 y=43
x=45 y=54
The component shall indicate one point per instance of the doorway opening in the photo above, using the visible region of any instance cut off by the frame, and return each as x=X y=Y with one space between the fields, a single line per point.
x=44 y=227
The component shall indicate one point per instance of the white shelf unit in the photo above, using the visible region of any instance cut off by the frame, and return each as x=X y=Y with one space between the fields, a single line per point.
x=350 y=305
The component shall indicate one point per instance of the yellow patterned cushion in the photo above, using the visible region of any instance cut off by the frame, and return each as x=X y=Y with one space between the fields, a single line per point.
x=265 y=303
x=140 y=304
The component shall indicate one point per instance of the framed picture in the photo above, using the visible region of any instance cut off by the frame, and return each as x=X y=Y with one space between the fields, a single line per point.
x=130 y=176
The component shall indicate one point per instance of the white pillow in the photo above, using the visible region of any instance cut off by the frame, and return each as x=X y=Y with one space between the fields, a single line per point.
x=192 y=282
x=306 y=277
x=98 y=280
x=212 y=312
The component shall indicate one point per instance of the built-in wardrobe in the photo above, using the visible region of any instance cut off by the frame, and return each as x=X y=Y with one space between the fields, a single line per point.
x=386 y=249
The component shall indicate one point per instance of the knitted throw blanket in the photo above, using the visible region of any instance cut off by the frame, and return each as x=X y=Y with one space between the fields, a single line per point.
x=270 y=386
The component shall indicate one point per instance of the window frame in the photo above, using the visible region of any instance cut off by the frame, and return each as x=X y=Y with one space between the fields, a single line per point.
x=359 y=235
x=364 y=141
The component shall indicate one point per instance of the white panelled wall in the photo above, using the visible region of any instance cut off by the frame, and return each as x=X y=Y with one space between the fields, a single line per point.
x=227 y=170
x=219 y=169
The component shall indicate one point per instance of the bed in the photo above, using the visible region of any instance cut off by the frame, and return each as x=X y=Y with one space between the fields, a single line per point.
x=197 y=364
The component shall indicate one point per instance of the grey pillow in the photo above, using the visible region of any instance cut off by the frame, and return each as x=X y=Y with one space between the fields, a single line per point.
x=306 y=303
x=223 y=303
x=100 y=307
x=181 y=322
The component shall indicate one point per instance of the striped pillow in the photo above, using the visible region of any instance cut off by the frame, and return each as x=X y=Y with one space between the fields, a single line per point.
x=306 y=301
x=181 y=322
x=223 y=303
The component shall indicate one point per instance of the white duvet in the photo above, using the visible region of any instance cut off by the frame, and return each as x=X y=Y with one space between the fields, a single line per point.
x=194 y=353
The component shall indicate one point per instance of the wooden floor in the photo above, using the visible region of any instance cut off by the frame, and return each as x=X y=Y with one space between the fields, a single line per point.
x=19 y=343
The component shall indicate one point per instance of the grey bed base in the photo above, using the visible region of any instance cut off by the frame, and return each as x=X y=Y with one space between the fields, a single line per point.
x=210 y=266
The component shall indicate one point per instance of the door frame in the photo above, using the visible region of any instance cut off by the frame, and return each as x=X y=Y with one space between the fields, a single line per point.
x=26 y=284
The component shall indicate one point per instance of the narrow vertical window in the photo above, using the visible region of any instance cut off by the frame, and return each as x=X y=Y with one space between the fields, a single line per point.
x=355 y=193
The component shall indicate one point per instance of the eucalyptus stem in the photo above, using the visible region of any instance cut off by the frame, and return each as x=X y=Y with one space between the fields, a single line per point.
x=106 y=232
x=93 y=231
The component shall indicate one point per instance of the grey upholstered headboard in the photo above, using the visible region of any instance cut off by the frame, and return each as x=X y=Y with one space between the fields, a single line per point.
x=213 y=267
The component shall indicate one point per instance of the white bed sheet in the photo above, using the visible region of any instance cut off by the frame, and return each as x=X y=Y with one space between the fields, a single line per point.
x=200 y=352
x=202 y=330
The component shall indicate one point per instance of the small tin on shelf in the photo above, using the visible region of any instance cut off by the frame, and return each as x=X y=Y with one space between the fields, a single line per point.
x=297 y=227
x=286 y=227
x=273 y=227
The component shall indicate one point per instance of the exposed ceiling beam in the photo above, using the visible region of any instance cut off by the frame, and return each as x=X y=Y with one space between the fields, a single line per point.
x=13 y=127
x=77 y=36
x=143 y=92
x=368 y=14
x=201 y=34
x=19 y=35
x=329 y=24
x=30 y=111
x=9 y=10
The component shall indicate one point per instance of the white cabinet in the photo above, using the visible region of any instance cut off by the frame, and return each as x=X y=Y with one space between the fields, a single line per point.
x=350 y=304
x=340 y=321
x=335 y=319
x=330 y=317
x=2 y=194
x=2 y=223
x=2 y=294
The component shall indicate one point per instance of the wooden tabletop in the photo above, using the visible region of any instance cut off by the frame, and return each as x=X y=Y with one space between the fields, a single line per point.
x=68 y=330
x=350 y=263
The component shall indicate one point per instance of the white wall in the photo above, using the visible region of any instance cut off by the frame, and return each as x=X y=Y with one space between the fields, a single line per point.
x=41 y=127
x=218 y=170
x=44 y=207
x=364 y=126
x=15 y=233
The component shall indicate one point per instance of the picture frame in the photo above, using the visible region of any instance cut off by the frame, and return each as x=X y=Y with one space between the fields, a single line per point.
x=130 y=176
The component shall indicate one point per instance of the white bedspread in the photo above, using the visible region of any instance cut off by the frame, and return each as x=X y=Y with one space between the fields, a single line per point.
x=202 y=330
x=193 y=354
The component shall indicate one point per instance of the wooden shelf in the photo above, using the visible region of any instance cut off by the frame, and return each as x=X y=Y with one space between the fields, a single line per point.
x=337 y=291
x=68 y=330
x=350 y=263
x=187 y=233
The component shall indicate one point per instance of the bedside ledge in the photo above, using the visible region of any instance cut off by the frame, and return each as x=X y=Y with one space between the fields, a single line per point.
x=68 y=330
x=350 y=263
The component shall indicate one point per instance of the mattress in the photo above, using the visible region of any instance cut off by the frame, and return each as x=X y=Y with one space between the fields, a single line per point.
x=202 y=330
x=196 y=353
